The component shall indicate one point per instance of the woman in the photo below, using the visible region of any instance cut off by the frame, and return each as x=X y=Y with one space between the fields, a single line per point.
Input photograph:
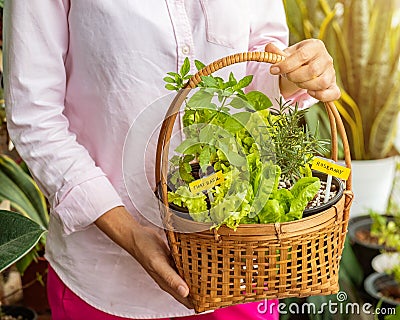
x=77 y=74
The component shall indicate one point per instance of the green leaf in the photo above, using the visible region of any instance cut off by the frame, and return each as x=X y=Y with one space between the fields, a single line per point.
x=201 y=100
x=211 y=132
x=258 y=100
x=196 y=204
x=28 y=186
x=242 y=117
x=169 y=80
x=239 y=103
x=272 y=212
x=186 y=144
x=232 y=125
x=184 y=174
x=199 y=65
x=169 y=86
x=188 y=158
x=209 y=81
x=206 y=133
x=9 y=190
x=243 y=83
x=194 y=149
x=229 y=148
x=174 y=74
x=232 y=80
x=265 y=182
x=285 y=197
x=17 y=237
x=303 y=192
x=186 y=166
x=204 y=158
x=228 y=211
x=185 y=68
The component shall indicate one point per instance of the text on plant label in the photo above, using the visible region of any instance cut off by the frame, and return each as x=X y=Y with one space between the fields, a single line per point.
x=206 y=183
x=330 y=168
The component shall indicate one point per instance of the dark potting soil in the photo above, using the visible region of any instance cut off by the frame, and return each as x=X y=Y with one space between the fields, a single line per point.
x=392 y=292
x=320 y=196
x=364 y=236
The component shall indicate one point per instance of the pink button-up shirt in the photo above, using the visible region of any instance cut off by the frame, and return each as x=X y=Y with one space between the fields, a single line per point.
x=77 y=73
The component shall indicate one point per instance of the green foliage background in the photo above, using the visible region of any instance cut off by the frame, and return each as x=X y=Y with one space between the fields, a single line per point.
x=363 y=36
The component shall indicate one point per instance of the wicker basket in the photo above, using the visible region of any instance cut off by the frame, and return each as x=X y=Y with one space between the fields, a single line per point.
x=259 y=261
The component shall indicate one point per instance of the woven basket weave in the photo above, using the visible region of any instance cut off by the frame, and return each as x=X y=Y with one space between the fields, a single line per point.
x=259 y=261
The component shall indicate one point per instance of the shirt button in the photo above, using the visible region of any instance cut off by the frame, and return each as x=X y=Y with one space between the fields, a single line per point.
x=185 y=49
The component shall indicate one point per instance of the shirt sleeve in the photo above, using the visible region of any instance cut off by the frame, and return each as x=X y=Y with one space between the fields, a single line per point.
x=268 y=25
x=35 y=49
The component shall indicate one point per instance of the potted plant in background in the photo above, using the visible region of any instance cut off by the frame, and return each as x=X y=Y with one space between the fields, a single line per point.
x=364 y=39
x=17 y=237
x=365 y=235
x=17 y=187
x=385 y=283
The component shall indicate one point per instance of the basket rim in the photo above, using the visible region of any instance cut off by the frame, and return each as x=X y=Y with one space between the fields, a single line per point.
x=280 y=230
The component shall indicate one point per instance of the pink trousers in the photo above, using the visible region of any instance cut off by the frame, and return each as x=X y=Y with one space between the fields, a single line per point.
x=65 y=305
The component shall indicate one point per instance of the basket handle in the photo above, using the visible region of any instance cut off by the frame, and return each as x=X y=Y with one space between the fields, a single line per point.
x=161 y=167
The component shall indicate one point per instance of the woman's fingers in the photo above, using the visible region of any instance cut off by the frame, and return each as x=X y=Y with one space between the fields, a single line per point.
x=313 y=82
x=270 y=47
x=309 y=66
x=153 y=254
x=168 y=280
x=329 y=94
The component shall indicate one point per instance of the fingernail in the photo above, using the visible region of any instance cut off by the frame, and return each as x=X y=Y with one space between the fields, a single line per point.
x=182 y=291
x=275 y=70
x=311 y=93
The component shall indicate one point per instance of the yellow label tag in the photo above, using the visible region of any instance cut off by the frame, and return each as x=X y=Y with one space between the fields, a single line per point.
x=330 y=168
x=206 y=183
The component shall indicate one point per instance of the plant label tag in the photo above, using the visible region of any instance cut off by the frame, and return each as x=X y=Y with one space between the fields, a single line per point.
x=206 y=183
x=326 y=166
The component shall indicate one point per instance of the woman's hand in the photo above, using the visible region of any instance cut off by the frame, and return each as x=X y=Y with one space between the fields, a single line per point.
x=309 y=66
x=147 y=247
x=153 y=254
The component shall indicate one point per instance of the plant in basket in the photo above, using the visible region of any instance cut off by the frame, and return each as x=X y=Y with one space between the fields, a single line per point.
x=241 y=161
x=236 y=189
